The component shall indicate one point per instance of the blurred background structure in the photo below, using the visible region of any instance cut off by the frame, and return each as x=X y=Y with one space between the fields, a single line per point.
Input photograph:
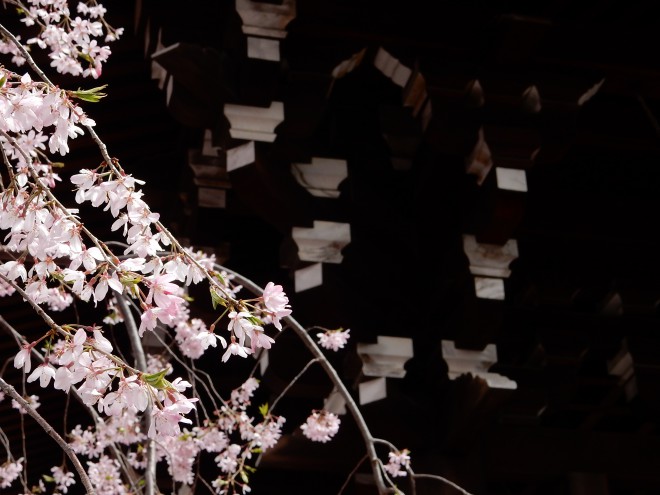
x=471 y=187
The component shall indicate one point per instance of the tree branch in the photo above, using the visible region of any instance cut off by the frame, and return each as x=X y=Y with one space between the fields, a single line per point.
x=9 y=390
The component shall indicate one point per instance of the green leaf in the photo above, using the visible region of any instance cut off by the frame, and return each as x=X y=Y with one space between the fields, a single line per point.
x=93 y=95
x=244 y=477
x=86 y=57
x=220 y=278
x=255 y=321
x=263 y=409
x=129 y=279
x=3 y=80
x=48 y=479
x=157 y=380
x=217 y=299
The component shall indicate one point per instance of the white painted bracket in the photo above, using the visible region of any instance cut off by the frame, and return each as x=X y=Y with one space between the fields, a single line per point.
x=266 y=19
x=322 y=177
x=254 y=123
x=476 y=363
x=392 y=67
x=387 y=357
x=490 y=260
x=479 y=161
x=322 y=243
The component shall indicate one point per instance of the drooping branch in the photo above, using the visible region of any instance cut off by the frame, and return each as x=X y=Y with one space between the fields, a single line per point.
x=129 y=473
x=9 y=390
x=141 y=364
x=361 y=423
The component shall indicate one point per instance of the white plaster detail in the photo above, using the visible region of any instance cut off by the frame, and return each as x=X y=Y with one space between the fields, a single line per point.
x=158 y=72
x=266 y=19
x=476 y=363
x=240 y=156
x=590 y=93
x=623 y=366
x=254 y=123
x=335 y=403
x=346 y=66
x=612 y=305
x=489 y=288
x=414 y=94
x=425 y=115
x=490 y=260
x=531 y=99
x=387 y=357
x=207 y=145
x=323 y=242
x=372 y=391
x=263 y=49
x=308 y=277
x=511 y=179
x=391 y=67
x=475 y=93
x=479 y=161
x=321 y=177
x=211 y=197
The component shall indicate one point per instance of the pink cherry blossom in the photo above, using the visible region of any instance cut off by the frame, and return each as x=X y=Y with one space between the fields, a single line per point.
x=398 y=464
x=321 y=426
x=44 y=373
x=276 y=302
x=9 y=471
x=22 y=359
x=333 y=339
x=237 y=350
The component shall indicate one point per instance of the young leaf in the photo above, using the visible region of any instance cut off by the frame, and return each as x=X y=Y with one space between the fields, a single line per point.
x=93 y=95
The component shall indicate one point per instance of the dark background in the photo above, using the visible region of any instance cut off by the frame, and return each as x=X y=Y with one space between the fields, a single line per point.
x=583 y=294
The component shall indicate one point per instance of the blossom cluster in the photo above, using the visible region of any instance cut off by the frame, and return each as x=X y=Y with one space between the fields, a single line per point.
x=321 y=426
x=9 y=471
x=398 y=463
x=333 y=339
x=232 y=436
x=70 y=42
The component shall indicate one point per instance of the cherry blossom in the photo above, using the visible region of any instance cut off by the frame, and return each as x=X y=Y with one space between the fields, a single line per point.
x=68 y=40
x=63 y=479
x=22 y=358
x=53 y=260
x=9 y=471
x=235 y=349
x=276 y=303
x=399 y=462
x=333 y=339
x=32 y=400
x=44 y=373
x=105 y=476
x=321 y=426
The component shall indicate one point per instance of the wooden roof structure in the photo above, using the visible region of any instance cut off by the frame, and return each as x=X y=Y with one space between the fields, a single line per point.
x=497 y=165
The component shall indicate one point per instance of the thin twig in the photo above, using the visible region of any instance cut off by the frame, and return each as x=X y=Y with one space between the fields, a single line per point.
x=8 y=389
x=116 y=453
x=350 y=475
x=141 y=364
x=336 y=380
x=293 y=381
x=443 y=480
